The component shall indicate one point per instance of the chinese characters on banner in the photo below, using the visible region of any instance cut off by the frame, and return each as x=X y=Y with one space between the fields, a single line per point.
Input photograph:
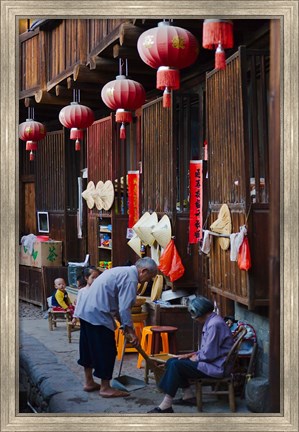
x=133 y=192
x=196 y=187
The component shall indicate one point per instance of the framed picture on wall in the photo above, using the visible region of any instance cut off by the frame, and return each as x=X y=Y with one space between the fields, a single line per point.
x=43 y=222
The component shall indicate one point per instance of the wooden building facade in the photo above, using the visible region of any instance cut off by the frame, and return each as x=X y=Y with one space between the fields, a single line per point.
x=227 y=108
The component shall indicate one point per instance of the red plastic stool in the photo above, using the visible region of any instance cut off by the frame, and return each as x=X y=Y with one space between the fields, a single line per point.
x=157 y=340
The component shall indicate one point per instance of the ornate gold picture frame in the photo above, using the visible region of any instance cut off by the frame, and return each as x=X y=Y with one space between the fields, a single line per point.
x=11 y=11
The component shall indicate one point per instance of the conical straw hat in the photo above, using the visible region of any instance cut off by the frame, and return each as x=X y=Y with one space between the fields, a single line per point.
x=146 y=227
x=155 y=252
x=162 y=231
x=88 y=194
x=145 y=216
x=223 y=225
x=135 y=244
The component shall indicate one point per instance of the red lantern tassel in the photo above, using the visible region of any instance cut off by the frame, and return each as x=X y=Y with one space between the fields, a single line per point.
x=220 y=58
x=76 y=133
x=77 y=145
x=215 y=30
x=168 y=77
x=166 y=98
x=123 y=116
x=31 y=145
x=122 y=133
x=31 y=156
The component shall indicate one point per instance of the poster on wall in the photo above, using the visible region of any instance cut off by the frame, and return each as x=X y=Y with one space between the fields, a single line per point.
x=133 y=193
x=196 y=197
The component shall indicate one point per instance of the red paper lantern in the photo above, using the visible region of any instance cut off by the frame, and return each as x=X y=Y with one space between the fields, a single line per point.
x=123 y=95
x=167 y=48
x=31 y=131
x=76 y=117
x=218 y=34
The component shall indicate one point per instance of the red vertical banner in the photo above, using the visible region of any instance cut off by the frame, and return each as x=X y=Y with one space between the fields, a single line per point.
x=133 y=193
x=196 y=197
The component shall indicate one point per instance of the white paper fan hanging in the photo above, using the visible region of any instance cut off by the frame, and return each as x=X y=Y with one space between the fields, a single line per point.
x=89 y=195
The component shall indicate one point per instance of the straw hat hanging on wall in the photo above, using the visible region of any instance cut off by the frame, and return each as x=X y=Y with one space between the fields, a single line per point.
x=135 y=244
x=223 y=225
x=145 y=229
x=162 y=231
x=143 y=218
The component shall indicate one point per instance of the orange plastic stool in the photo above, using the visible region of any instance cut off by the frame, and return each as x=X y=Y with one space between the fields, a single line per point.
x=138 y=326
x=146 y=343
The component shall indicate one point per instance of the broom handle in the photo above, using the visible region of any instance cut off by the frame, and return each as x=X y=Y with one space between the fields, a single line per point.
x=142 y=352
x=122 y=356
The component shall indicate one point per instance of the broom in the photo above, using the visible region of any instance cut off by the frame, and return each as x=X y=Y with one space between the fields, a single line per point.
x=158 y=371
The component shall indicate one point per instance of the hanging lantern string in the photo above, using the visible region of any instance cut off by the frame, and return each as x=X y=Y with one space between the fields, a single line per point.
x=76 y=95
x=31 y=113
x=127 y=69
x=120 y=66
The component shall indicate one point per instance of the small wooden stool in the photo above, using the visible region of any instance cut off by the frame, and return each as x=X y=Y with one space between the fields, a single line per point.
x=71 y=328
x=156 y=343
x=55 y=316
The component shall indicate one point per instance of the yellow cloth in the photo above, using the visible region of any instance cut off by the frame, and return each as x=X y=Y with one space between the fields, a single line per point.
x=63 y=299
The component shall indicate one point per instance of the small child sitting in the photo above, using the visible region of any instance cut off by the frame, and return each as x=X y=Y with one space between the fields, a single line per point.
x=89 y=275
x=60 y=299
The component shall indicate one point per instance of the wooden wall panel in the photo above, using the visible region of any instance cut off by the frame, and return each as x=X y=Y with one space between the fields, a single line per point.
x=259 y=235
x=29 y=62
x=66 y=46
x=99 y=150
x=158 y=165
x=29 y=207
x=225 y=125
x=225 y=275
x=121 y=252
x=50 y=172
x=74 y=248
x=98 y=29
x=237 y=140
x=93 y=238
x=57 y=225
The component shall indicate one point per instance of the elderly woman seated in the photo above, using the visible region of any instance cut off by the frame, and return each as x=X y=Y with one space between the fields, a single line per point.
x=207 y=362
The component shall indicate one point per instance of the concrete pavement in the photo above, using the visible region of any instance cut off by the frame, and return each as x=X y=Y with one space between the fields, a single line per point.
x=49 y=362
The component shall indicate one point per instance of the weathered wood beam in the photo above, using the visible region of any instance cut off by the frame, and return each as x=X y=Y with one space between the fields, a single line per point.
x=99 y=63
x=29 y=102
x=125 y=52
x=82 y=73
x=62 y=91
x=129 y=34
x=88 y=87
x=43 y=97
